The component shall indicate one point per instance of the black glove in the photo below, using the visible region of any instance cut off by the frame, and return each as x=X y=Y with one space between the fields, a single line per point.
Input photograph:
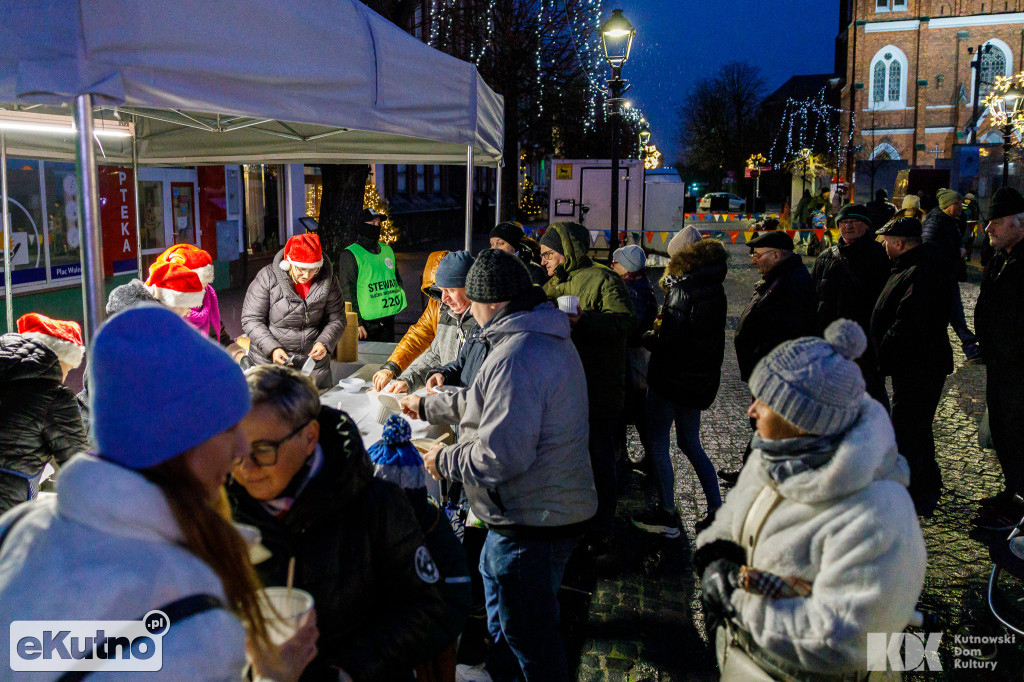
x=245 y=362
x=717 y=585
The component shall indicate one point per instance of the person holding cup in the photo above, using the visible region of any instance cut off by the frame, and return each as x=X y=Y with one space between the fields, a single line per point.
x=601 y=322
x=307 y=484
x=135 y=526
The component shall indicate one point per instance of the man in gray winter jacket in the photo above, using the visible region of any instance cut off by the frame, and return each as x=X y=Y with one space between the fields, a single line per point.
x=522 y=456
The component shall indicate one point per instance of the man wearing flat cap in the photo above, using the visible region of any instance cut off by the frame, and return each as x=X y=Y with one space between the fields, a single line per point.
x=999 y=320
x=944 y=226
x=848 y=278
x=783 y=306
x=908 y=334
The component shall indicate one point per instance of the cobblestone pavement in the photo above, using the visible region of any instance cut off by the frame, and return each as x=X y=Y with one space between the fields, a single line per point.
x=645 y=620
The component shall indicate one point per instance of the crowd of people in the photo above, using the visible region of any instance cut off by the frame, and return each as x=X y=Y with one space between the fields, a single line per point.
x=194 y=469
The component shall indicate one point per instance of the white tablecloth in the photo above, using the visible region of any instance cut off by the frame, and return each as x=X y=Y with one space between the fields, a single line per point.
x=362 y=407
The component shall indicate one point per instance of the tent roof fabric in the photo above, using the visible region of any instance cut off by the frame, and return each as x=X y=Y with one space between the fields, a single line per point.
x=243 y=81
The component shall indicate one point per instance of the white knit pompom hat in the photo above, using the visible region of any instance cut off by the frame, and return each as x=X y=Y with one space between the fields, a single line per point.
x=815 y=384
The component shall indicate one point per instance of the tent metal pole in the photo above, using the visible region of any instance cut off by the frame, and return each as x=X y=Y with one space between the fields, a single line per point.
x=497 y=192
x=89 y=218
x=469 y=198
x=138 y=209
x=6 y=217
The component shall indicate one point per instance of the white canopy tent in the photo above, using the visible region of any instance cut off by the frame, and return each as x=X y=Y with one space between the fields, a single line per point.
x=230 y=82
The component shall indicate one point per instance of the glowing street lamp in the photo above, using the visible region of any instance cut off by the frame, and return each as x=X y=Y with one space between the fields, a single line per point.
x=617 y=40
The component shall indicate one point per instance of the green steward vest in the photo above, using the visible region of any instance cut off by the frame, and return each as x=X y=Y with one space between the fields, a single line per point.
x=378 y=292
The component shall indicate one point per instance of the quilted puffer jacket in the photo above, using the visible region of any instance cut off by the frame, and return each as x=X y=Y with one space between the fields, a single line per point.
x=418 y=337
x=275 y=316
x=39 y=417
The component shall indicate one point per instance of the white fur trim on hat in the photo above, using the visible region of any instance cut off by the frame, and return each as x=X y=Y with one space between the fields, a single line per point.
x=177 y=299
x=286 y=264
x=206 y=274
x=67 y=352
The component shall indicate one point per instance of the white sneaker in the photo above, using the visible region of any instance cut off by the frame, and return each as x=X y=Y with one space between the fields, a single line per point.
x=471 y=673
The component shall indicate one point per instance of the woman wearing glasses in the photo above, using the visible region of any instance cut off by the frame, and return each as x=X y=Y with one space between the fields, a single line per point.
x=293 y=309
x=135 y=526
x=306 y=482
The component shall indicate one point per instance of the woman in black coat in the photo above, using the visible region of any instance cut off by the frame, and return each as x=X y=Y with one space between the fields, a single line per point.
x=687 y=348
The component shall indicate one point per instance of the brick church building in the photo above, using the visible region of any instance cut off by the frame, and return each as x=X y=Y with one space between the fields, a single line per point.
x=908 y=75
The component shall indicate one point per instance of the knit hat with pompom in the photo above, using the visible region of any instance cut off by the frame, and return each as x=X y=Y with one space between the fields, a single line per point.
x=815 y=384
x=394 y=458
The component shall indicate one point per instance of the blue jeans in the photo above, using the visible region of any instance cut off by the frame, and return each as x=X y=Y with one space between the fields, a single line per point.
x=521 y=581
x=660 y=415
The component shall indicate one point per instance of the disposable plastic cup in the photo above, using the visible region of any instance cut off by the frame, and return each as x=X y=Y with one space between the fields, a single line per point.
x=284 y=612
x=569 y=304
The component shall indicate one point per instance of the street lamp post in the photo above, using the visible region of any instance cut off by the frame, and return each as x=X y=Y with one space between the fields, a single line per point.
x=1007 y=105
x=616 y=39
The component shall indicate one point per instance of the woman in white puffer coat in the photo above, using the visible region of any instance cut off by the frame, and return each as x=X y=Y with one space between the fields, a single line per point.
x=818 y=544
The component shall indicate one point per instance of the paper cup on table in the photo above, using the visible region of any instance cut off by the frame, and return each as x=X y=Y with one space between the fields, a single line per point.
x=569 y=304
x=285 y=613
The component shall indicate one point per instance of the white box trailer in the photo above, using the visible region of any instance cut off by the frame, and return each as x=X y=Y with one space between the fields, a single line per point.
x=581 y=192
x=649 y=201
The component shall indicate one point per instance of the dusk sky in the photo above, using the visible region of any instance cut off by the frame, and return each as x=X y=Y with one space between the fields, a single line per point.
x=678 y=41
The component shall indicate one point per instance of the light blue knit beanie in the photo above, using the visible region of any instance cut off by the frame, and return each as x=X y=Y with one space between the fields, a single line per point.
x=815 y=384
x=157 y=388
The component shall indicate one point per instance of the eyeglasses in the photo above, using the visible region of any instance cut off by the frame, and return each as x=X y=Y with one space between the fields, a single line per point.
x=264 y=452
x=755 y=256
x=549 y=255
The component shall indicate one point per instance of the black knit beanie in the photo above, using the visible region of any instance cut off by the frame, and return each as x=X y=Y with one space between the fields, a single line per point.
x=509 y=231
x=552 y=240
x=496 y=276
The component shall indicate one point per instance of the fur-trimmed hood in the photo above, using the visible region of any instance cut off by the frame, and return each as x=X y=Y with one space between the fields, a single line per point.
x=704 y=259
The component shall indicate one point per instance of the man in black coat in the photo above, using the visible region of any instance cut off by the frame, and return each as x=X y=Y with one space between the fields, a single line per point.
x=880 y=210
x=848 y=278
x=308 y=486
x=783 y=306
x=999 y=320
x=908 y=334
x=944 y=227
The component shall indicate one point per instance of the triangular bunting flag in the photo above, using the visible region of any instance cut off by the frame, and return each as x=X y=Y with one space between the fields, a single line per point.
x=792 y=234
x=748 y=235
x=594 y=235
x=607 y=236
x=650 y=236
x=733 y=235
x=835 y=235
x=820 y=234
x=664 y=237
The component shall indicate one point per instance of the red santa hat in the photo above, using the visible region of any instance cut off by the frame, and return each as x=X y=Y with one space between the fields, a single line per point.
x=192 y=257
x=303 y=251
x=175 y=285
x=62 y=337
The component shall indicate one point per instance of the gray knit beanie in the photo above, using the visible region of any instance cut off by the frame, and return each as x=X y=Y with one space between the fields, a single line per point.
x=686 y=236
x=814 y=384
x=496 y=276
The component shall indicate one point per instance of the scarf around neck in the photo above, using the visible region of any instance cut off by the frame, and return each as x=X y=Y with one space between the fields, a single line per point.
x=788 y=457
x=206 y=315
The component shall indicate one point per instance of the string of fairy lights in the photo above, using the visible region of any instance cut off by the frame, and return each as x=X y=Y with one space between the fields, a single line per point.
x=805 y=121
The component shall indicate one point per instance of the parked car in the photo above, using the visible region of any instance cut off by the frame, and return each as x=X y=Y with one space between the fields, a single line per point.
x=721 y=201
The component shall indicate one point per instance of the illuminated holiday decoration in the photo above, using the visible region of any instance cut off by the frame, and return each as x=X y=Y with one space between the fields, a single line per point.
x=651 y=156
x=528 y=204
x=561 y=30
x=808 y=164
x=756 y=161
x=806 y=122
x=371 y=199
x=1005 y=102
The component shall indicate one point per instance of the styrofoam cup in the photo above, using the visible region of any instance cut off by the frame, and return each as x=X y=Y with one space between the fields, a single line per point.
x=569 y=304
x=284 y=613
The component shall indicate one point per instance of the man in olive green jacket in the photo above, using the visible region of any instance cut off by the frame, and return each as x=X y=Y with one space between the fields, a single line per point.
x=599 y=331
